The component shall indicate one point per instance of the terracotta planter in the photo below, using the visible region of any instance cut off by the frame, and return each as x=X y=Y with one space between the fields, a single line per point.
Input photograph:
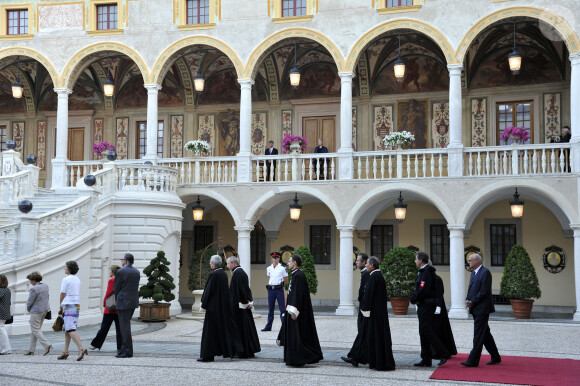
x=151 y=312
x=522 y=308
x=400 y=305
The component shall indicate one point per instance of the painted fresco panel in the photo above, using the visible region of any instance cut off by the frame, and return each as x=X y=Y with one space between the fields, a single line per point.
x=176 y=136
x=122 y=132
x=41 y=144
x=382 y=124
x=422 y=74
x=439 y=124
x=412 y=117
x=18 y=135
x=316 y=80
x=479 y=122
x=552 y=117
x=206 y=130
x=259 y=127
x=228 y=127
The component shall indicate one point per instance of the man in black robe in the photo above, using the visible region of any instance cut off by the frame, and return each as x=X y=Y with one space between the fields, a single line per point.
x=441 y=325
x=220 y=335
x=298 y=334
x=373 y=343
x=361 y=263
x=242 y=304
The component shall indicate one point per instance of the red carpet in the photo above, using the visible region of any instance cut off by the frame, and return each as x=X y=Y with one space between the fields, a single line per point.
x=515 y=370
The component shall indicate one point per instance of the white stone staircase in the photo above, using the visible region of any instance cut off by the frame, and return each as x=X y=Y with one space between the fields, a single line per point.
x=45 y=201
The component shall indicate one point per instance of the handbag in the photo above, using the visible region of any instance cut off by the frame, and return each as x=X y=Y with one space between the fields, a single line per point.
x=111 y=303
x=58 y=324
x=10 y=320
x=48 y=315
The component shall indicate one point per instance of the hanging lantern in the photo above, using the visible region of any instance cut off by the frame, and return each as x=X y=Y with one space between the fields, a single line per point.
x=515 y=58
x=295 y=209
x=198 y=210
x=517 y=206
x=400 y=209
x=108 y=85
x=399 y=65
x=17 y=88
x=294 y=73
x=199 y=82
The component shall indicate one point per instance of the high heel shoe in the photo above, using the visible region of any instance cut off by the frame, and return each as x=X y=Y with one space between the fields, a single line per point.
x=64 y=355
x=82 y=354
x=94 y=348
x=29 y=353
x=47 y=350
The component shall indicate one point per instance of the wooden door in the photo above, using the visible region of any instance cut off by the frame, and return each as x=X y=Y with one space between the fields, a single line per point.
x=314 y=128
x=76 y=144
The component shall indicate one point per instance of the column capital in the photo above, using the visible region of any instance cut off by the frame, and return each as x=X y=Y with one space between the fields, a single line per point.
x=345 y=228
x=244 y=228
x=576 y=229
x=152 y=88
x=575 y=58
x=346 y=76
x=455 y=69
x=456 y=227
x=246 y=82
x=63 y=91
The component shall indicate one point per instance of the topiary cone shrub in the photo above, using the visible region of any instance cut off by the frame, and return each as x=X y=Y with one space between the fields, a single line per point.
x=519 y=280
x=308 y=269
x=399 y=270
x=160 y=283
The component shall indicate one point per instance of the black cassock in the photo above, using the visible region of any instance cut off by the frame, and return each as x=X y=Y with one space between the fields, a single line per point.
x=240 y=293
x=441 y=325
x=220 y=335
x=299 y=337
x=373 y=343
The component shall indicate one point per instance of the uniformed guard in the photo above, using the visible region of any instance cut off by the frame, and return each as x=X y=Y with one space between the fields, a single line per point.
x=278 y=277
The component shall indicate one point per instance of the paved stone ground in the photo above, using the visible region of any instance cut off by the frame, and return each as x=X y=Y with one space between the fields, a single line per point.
x=166 y=353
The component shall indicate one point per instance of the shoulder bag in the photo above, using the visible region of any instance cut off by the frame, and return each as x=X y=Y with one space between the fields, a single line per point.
x=10 y=320
x=58 y=324
x=48 y=315
x=111 y=303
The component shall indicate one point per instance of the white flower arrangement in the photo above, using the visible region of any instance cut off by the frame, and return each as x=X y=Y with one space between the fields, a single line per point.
x=398 y=138
x=198 y=147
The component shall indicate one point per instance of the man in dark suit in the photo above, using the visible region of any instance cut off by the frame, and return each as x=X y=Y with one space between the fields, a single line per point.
x=361 y=263
x=271 y=165
x=480 y=303
x=127 y=296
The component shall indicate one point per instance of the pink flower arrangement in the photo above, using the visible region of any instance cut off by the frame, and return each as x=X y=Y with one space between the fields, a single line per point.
x=103 y=147
x=516 y=134
x=290 y=139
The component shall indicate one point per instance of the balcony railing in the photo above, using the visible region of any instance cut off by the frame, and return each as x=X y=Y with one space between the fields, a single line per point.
x=424 y=163
x=286 y=168
x=203 y=170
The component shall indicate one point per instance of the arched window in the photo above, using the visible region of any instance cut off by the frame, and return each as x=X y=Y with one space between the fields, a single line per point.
x=258 y=244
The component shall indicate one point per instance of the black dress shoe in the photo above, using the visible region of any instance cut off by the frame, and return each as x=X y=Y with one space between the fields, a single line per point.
x=422 y=364
x=123 y=355
x=205 y=359
x=494 y=361
x=444 y=360
x=266 y=329
x=467 y=364
x=350 y=360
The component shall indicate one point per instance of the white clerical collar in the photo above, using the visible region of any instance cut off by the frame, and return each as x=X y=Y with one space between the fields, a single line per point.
x=217 y=269
x=374 y=270
x=363 y=270
x=236 y=268
x=294 y=270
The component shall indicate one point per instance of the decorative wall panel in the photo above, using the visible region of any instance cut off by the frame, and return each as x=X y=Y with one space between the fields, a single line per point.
x=41 y=144
x=99 y=129
x=286 y=122
x=176 y=136
x=552 y=117
x=382 y=124
x=479 y=122
x=122 y=132
x=354 y=130
x=439 y=124
x=259 y=125
x=18 y=135
x=206 y=130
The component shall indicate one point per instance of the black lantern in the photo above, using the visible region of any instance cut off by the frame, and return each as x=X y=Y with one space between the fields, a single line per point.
x=515 y=58
x=17 y=87
x=295 y=209
x=199 y=80
x=25 y=206
x=108 y=85
x=90 y=180
x=517 y=206
x=198 y=210
x=399 y=65
x=111 y=155
x=31 y=159
x=294 y=73
x=400 y=209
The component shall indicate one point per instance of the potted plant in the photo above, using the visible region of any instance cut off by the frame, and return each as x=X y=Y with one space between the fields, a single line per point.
x=308 y=269
x=159 y=288
x=399 y=270
x=199 y=271
x=198 y=147
x=101 y=148
x=294 y=144
x=397 y=138
x=515 y=135
x=519 y=282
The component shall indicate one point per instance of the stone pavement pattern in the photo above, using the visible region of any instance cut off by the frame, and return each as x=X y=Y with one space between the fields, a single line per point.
x=166 y=353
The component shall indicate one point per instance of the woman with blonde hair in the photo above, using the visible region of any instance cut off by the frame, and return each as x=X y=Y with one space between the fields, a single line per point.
x=38 y=307
x=109 y=316
x=5 y=301
x=69 y=307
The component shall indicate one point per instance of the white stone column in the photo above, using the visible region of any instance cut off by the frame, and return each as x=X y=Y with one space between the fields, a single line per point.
x=345 y=153
x=455 y=147
x=59 y=168
x=152 y=120
x=575 y=113
x=346 y=305
x=457 y=272
x=244 y=249
x=244 y=161
x=576 y=229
